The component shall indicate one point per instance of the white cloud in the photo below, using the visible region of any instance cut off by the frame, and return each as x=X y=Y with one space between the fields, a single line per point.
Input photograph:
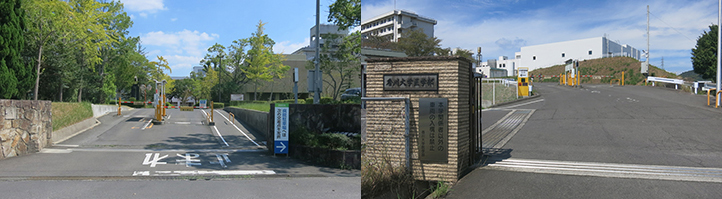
x=182 y=49
x=150 y=6
x=173 y=19
x=672 y=36
x=143 y=14
x=177 y=62
x=287 y=47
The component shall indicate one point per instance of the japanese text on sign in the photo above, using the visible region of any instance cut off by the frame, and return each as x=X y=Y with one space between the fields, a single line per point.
x=411 y=82
x=433 y=135
x=281 y=128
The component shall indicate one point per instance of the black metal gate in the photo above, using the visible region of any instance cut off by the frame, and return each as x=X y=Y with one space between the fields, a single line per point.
x=475 y=117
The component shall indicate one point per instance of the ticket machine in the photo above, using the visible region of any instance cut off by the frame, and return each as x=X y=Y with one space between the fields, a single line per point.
x=523 y=81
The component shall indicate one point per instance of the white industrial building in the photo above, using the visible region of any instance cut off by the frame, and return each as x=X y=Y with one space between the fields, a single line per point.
x=546 y=55
x=310 y=50
x=390 y=25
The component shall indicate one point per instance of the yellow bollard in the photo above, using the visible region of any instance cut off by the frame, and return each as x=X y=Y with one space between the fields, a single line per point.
x=716 y=100
x=622 y=80
x=157 y=113
x=708 y=95
x=118 y=105
x=164 y=105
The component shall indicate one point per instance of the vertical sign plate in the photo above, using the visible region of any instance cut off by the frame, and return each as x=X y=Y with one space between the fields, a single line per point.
x=280 y=129
x=433 y=125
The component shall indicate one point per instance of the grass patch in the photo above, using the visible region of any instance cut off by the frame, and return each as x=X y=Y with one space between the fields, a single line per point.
x=66 y=114
x=265 y=107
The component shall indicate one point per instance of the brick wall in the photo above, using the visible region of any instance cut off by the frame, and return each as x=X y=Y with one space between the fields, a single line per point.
x=25 y=126
x=385 y=121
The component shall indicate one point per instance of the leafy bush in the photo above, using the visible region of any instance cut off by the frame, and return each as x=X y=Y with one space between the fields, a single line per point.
x=327 y=100
x=334 y=141
x=218 y=105
x=352 y=100
x=303 y=137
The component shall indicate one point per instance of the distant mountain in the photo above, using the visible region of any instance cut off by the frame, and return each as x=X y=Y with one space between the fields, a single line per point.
x=691 y=76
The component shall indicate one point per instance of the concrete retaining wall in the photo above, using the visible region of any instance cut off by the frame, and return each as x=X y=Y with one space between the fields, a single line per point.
x=257 y=120
x=25 y=127
x=100 y=110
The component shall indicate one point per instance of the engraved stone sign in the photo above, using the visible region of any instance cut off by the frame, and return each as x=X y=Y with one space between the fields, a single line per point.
x=433 y=135
x=411 y=82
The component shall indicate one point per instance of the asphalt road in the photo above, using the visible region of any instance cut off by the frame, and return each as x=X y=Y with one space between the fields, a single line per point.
x=128 y=156
x=601 y=141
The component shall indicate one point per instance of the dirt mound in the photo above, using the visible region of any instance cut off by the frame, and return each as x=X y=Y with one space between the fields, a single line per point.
x=611 y=66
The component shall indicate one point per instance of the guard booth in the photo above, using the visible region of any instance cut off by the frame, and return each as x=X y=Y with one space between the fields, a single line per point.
x=523 y=81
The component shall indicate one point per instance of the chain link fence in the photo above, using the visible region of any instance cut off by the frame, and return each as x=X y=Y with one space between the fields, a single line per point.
x=496 y=91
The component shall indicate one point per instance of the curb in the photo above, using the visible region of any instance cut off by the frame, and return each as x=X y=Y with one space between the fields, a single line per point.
x=515 y=101
x=68 y=129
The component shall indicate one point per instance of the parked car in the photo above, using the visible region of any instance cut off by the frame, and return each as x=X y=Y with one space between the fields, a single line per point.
x=351 y=93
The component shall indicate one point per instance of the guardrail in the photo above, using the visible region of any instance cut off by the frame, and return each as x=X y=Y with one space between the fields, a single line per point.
x=676 y=82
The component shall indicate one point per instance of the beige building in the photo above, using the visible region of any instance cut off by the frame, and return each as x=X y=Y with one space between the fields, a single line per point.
x=391 y=24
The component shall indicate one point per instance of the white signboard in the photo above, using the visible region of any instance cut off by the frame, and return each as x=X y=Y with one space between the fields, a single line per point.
x=202 y=103
x=280 y=129
x=523 y=72
x=236 y=97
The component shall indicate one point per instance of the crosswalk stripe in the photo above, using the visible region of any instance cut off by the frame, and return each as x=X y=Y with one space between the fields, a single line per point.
x=657 y=172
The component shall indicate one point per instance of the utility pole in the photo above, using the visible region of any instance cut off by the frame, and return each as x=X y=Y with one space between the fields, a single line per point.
x=317 y=73
x=645 y=65
x=662 y=63
x=719 y=38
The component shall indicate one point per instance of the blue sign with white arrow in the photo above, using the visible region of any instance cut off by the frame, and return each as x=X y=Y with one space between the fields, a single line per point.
x=281 y=147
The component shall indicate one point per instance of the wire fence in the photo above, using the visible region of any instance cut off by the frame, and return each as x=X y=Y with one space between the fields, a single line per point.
x=496 y=91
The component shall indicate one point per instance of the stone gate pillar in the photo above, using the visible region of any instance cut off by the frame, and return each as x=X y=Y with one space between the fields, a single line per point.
x=439 y=91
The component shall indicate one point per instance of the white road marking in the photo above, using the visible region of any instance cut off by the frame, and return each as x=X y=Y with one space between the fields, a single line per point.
x=234 y=125
x=535 y=101
x=214 y=127
x=182 y=122
x=48 y=150
x=156 y=160
x=168 y=150
x=190 y=159
x=219 y=135
x=656 y=172
x=197 y=172
x=66 y=145
x=146 y=124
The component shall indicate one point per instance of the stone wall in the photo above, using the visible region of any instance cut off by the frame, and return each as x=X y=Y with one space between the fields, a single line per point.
x=323 y=118
x=25 y=127
x=385 y=120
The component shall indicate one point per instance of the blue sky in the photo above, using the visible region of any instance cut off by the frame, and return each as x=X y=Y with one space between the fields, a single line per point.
x=502 y=27
x=182 y=30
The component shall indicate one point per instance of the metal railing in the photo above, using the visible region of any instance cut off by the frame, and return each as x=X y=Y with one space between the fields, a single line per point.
x=495 y=91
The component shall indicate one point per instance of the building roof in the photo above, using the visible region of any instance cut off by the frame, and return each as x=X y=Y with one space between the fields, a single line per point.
x=400 y=12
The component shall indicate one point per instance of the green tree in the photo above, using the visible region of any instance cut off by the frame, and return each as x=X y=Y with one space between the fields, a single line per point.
x=465 y=53
x=345 y=13
x=183 y=89
x=15 y=76
x=260 y=58
x=415 y=43
x=704 y=54
x=339 y=61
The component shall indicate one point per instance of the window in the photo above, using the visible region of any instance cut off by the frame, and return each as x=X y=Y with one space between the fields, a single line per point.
x=518 y=57
x=590 y=52
x=533 y=58
x=562 y=54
